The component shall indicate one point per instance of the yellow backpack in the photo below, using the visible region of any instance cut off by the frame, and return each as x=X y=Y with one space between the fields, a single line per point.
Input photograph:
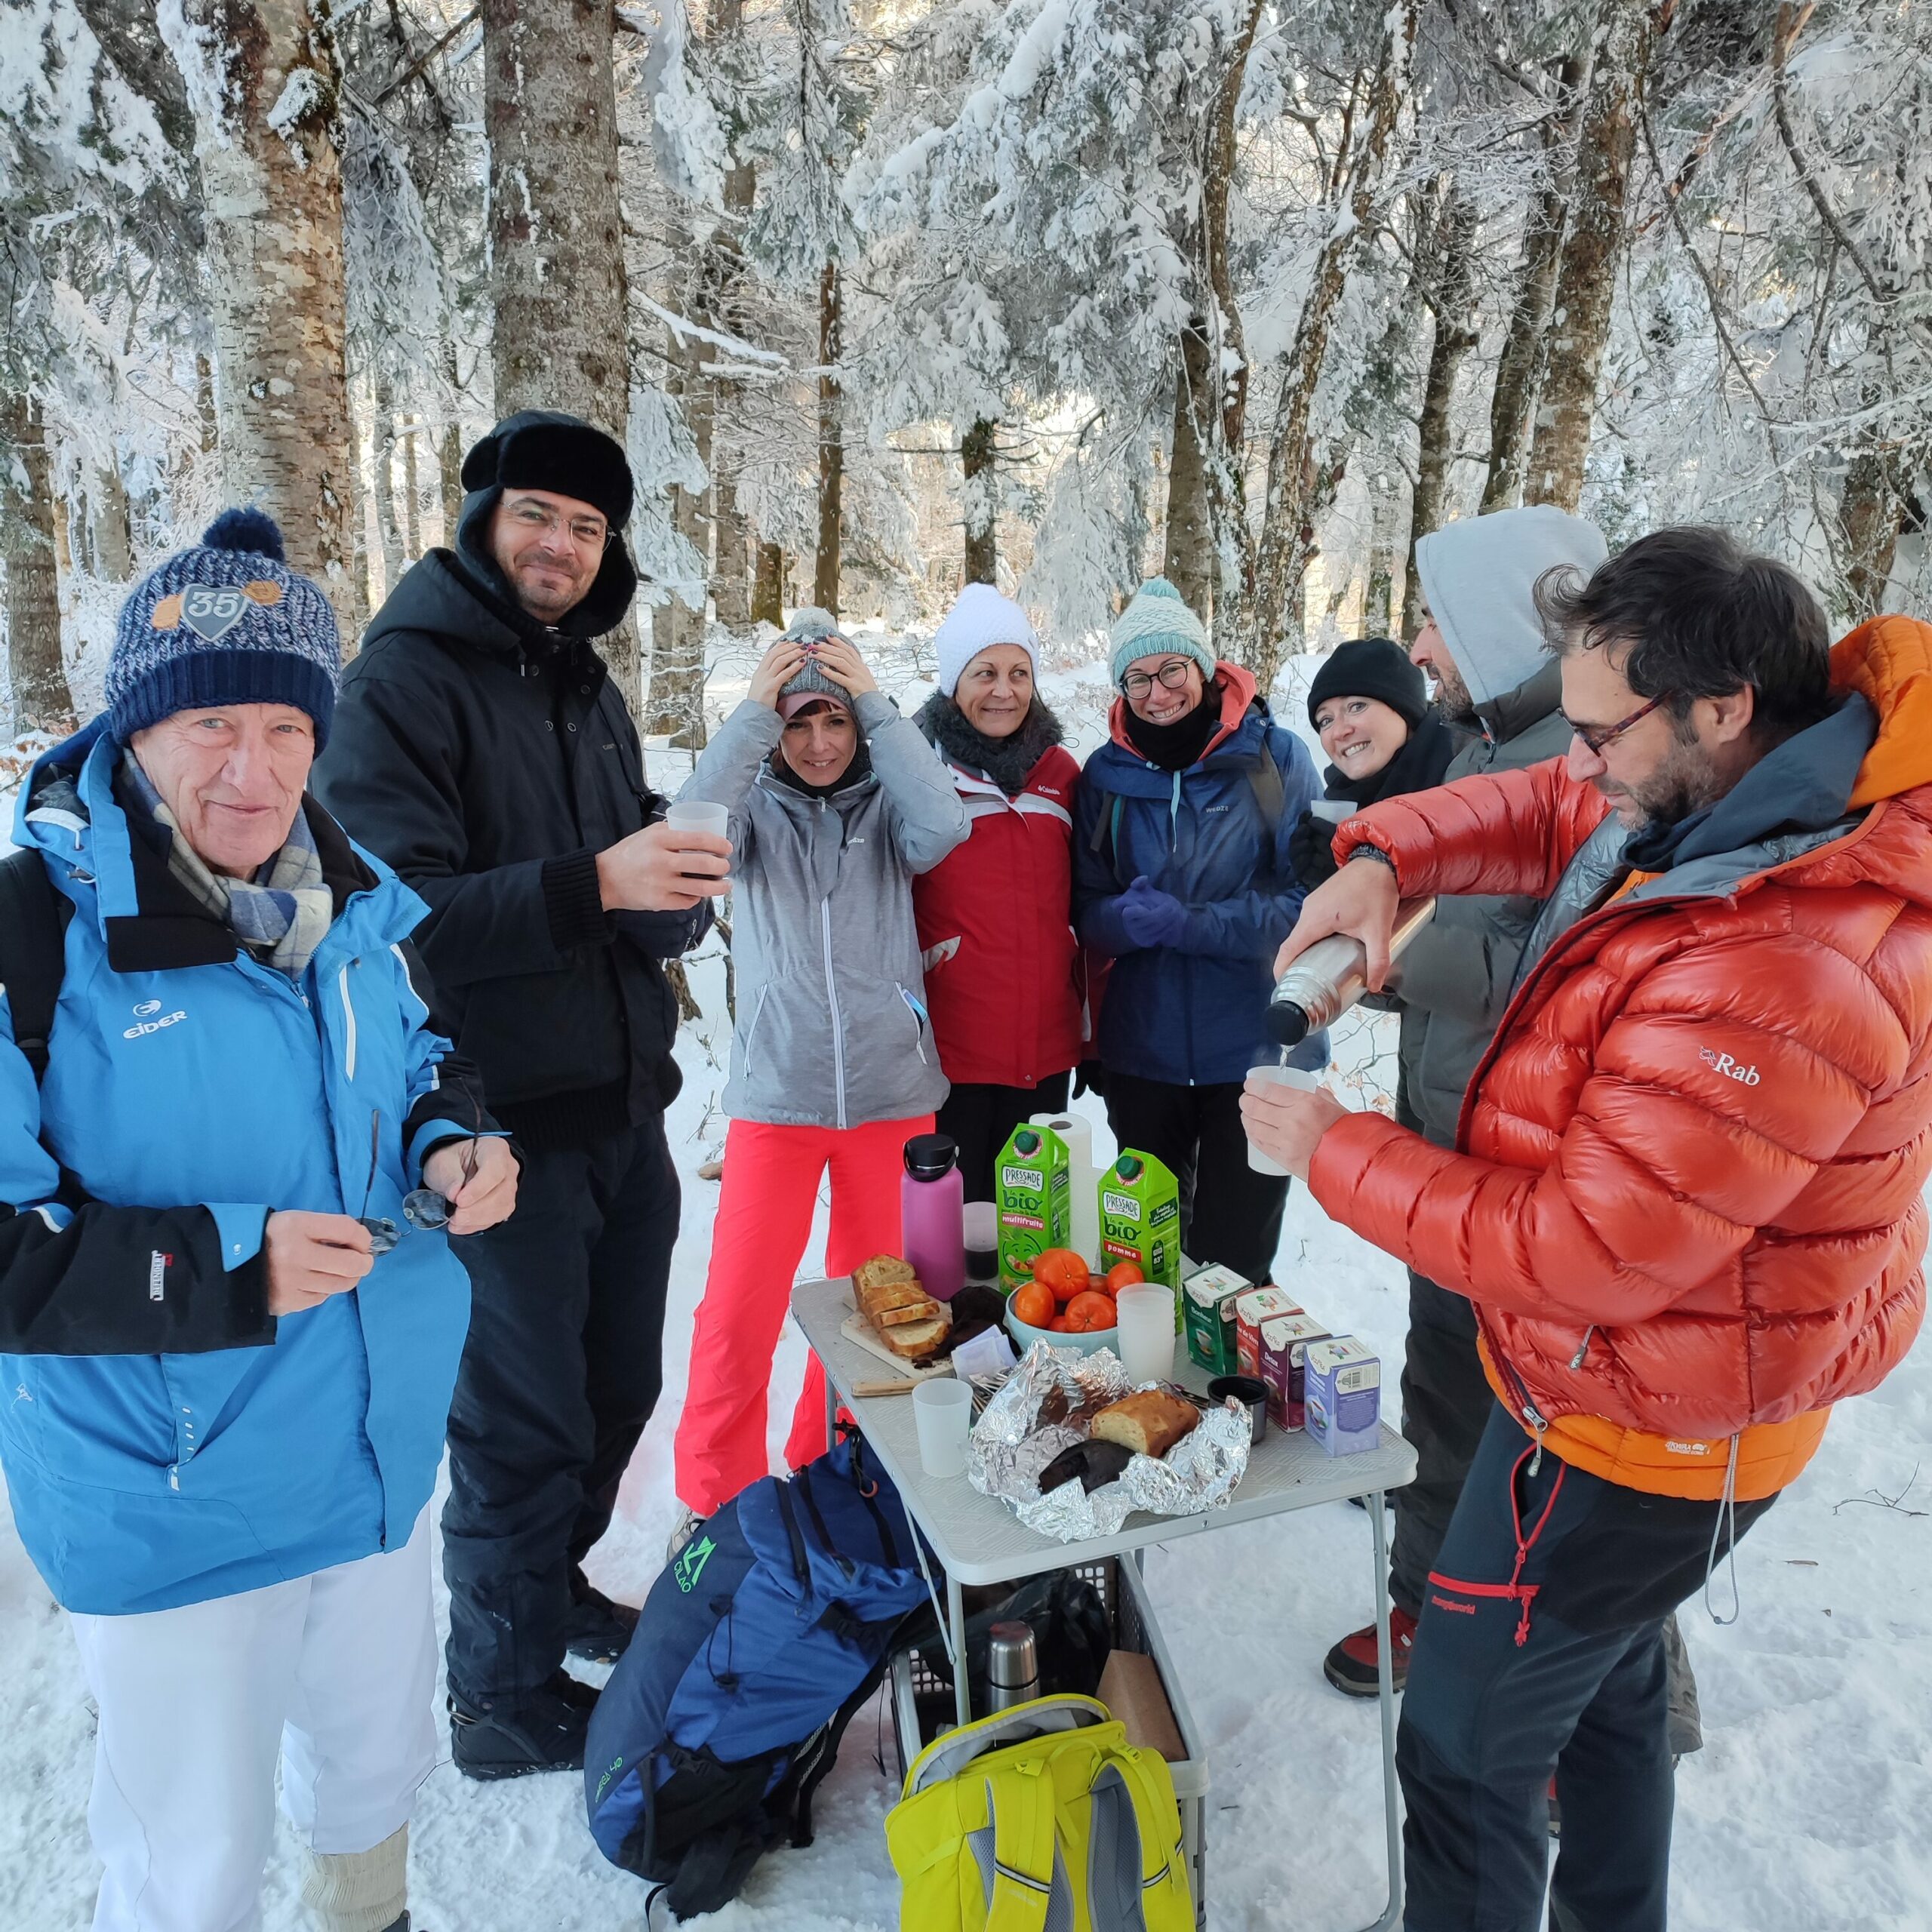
x=1044 y=1814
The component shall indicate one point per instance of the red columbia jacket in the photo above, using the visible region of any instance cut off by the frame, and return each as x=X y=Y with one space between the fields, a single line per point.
x=1003 y=977
x=1686 y=1193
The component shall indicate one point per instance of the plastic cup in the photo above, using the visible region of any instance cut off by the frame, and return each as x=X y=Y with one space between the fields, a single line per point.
x=1279 y=1076
x=943 y=1408
x=980 y=1222
x=1334 y=809
x=699 y=815
x=1146 y=1319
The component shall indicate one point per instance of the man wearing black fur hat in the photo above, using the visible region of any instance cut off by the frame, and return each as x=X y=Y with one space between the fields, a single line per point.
x=480 y=749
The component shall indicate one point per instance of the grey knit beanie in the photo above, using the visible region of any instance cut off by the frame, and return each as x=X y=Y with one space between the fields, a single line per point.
x=808 y=681
x=1157 y=621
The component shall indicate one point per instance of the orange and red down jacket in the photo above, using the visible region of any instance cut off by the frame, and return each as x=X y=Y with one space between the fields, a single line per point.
x=1685 y=1197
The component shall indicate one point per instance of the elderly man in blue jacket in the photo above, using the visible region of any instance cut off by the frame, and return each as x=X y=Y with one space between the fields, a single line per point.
x=228 y=1171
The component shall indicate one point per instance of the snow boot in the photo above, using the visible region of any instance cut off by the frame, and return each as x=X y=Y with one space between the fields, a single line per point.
x=493 y=1738
x=359 y=1891
x=598 y=1629
x=1351 y=1666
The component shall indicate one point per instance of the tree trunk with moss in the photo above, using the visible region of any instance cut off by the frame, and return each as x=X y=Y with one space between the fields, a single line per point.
x=36 y=676
x=977 y=454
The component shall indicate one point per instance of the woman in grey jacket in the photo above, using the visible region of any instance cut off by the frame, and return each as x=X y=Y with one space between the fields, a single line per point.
x=836 y=802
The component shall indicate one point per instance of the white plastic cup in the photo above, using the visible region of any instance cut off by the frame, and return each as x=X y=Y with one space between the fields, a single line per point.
x=1334 y=810
x=1145 y=1316
x=700 y=815
x=1279 y=1076
x=943 y=1410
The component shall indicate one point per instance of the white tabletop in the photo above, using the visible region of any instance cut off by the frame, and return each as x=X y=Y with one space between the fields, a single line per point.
x=979 y=1541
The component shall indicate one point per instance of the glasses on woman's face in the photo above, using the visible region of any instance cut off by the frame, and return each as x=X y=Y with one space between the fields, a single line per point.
x=1596 y=737
x=1173 y=674
x=587 y=532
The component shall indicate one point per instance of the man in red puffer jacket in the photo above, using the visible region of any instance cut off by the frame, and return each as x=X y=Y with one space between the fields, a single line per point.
x=1685 y=1197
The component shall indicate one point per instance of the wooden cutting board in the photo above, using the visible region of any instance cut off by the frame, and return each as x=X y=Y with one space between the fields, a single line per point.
x=859 y=1331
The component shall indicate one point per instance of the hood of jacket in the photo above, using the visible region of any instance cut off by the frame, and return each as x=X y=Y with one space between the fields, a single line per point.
x=1523 y=707
x=1238 y=691
x=1479 y=575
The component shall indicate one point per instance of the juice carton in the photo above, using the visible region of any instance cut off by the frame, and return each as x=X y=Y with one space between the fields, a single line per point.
x=1207 y=1314
x=1033 y=1193
x=1344 y=1379
x=1284 y=1341
x=1140 y=1218
x=1257 y=1305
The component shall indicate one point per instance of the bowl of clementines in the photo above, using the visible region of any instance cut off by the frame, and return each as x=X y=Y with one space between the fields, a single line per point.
x=1067 y=1304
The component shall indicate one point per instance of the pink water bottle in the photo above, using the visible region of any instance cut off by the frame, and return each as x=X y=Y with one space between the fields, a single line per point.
x=932 y=1213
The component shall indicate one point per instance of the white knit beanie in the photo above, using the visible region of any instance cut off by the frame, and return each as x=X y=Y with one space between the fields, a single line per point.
x=981 y=619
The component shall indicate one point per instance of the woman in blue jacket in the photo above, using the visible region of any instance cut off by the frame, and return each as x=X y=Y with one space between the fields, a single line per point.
x=1182 y=874
x=231 y=1344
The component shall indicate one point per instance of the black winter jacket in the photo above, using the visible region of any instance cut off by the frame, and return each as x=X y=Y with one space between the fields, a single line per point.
x=489 y=760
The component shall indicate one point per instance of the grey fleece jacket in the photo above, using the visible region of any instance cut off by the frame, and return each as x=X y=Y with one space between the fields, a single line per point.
x=831 y=1029
x=1478 y=576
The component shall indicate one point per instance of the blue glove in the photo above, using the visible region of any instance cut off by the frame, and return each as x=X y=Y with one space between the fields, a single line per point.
x=1151 y=916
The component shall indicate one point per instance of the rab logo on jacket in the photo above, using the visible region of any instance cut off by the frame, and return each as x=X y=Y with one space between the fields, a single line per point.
x=1746 y=1076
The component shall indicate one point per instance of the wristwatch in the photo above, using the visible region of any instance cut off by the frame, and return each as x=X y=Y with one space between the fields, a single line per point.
x=1365 y=850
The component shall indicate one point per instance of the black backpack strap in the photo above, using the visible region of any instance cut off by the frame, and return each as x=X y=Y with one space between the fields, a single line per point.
x=1265 y=778
x=33 y=921
x=1105 y=835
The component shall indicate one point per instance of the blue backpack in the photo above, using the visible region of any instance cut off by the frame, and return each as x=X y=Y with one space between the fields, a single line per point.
x=753 y=1650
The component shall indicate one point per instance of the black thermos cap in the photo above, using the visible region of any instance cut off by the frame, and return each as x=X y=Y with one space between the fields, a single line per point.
x=931 y=1156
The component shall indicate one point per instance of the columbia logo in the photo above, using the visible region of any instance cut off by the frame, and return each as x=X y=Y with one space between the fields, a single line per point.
x=1731 y=1069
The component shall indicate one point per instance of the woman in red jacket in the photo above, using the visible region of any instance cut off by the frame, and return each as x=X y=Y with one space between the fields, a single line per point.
x=1003 y=974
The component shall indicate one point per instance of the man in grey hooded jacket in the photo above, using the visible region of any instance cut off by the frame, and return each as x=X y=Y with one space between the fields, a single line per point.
x=1482 y=643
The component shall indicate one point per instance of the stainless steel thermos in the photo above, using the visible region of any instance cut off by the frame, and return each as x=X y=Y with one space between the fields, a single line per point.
x=1322 y=982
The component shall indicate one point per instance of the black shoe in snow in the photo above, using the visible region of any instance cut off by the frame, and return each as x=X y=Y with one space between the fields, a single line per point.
x=542 y=1731
x=598 y=1629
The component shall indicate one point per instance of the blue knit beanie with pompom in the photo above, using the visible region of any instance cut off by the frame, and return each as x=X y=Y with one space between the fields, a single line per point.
x=225 y=622
x=1156 y=623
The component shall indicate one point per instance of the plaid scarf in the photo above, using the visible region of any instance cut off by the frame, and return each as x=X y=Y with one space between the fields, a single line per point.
x=280 y=914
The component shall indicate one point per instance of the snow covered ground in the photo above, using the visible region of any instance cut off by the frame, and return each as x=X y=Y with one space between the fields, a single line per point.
x=1807 y=1811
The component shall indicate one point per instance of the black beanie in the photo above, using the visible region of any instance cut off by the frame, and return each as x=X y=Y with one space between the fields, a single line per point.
x=543 y=449
x=1371 y=667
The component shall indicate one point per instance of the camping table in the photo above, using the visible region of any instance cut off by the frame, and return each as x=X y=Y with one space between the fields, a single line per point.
x=977 y=1539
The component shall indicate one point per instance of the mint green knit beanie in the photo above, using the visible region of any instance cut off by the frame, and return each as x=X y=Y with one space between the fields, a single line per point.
x=1157 y=620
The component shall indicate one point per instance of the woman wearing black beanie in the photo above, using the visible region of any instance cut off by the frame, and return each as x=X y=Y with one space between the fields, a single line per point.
x=1370 y=707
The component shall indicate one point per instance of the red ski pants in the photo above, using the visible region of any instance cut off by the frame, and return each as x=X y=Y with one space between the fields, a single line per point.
x=765 y=1202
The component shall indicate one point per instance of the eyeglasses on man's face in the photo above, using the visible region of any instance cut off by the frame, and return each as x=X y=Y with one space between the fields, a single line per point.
x=1596 y=737
x=1173 y=674
x=587 y=532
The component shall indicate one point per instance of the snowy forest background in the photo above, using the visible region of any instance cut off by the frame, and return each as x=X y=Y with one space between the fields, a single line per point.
x=887 y=294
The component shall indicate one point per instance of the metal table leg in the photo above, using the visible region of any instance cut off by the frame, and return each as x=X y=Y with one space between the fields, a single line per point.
x=1385 y=1696
x=956 y=1613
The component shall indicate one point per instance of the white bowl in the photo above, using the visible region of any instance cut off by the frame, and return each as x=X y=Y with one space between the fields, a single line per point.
x=1088 y=1343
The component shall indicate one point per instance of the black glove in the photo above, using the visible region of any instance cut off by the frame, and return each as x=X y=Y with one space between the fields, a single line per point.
x=1310 y=851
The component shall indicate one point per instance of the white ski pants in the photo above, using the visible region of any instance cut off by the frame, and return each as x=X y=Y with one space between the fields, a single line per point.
x=335 y=1673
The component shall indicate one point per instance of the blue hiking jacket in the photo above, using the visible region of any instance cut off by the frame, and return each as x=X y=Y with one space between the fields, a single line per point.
x=1194 y=1014
x=165 y=1440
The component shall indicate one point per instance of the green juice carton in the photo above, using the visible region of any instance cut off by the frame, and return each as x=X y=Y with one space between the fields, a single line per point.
x=1034 y=1193
x=1140 y=1219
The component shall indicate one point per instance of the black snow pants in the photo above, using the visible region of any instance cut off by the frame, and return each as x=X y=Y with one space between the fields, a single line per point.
x=560 y=1374
x=1541 y=1650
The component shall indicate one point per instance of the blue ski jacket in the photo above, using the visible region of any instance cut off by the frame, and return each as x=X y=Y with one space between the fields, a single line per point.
x=1194 y=1014
x=165 y=1439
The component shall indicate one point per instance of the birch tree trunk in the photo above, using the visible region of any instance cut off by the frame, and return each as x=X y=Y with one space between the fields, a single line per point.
x=1450 y=295
x=1296 y=483
x=271 y=183
x=831 y=440
x=1205 y=553
x=557 y=276
x=1519 y=368
x=35 y=674
x=1593 y=249
x=976 y=456
x=389 y=519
